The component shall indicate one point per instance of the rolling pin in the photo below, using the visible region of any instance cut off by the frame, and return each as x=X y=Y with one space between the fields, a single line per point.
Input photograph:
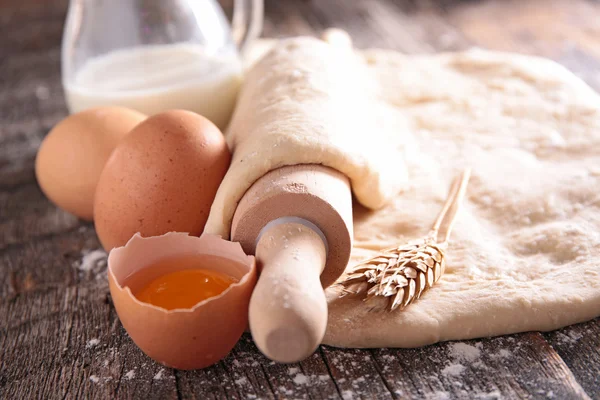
x=297 y=221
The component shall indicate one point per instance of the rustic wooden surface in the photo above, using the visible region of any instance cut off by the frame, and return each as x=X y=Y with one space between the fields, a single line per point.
x=59 y=334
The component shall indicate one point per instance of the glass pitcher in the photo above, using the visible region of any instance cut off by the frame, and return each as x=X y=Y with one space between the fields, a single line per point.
x=155 y=55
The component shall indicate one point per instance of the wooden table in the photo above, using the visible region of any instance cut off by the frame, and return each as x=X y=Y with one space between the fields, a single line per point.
x=60 y=336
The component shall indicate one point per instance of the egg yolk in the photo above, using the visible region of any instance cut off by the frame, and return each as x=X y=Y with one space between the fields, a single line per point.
x=184 y=289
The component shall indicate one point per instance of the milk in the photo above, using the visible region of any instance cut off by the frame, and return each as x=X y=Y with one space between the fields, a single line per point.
x=156 y=78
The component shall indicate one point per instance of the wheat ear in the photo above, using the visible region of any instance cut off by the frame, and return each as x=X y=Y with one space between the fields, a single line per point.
x=398 y=276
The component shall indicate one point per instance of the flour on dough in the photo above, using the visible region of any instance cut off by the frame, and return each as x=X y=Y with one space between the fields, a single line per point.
x=525 y=248
x=524 y=252
x=310 y=102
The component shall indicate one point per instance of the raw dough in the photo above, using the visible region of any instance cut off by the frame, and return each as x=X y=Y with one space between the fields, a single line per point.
x=309 y=102
x=524 y=251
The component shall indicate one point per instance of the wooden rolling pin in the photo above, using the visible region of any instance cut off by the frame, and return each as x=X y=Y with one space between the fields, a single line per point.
x=297 y=220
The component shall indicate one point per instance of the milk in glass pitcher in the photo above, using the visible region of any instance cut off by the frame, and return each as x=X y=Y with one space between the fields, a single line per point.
x=155 y=55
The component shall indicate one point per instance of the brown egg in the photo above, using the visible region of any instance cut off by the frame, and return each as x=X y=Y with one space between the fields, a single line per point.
x=163 y=177
x=183 y=338
x=73 y=154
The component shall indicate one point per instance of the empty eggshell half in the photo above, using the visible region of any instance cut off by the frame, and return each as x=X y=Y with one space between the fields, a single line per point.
x=183 y=338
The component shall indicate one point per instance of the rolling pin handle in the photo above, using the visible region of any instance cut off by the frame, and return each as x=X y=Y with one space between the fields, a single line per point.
x=288 y=310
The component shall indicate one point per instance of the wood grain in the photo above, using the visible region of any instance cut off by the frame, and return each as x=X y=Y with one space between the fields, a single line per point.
x=579 y=347
x=59 y=334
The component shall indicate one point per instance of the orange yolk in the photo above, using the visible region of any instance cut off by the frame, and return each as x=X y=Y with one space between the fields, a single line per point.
x=184 y=289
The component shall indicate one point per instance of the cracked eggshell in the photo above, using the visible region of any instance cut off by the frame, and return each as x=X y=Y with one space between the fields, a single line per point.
x=183 y=338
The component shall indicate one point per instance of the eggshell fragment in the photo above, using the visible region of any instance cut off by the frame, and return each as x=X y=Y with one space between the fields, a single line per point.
x=183 y=338
x=73 y=154
x=162 y=177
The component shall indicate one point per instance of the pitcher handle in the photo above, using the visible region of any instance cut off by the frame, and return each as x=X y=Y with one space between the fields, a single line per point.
x=247 y=22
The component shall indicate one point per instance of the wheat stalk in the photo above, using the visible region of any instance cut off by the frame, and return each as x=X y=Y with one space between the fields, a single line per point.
x=398 y=276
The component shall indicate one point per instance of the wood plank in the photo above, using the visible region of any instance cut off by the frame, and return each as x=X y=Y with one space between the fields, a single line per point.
x=517 y=367
x=67 y=347
x=32 y=102
x=247 y=374
x=491 y=368
x=579 y=346
x=27 y=26
x=45 y=263
x=27 y=214
x=355 y=374
x=93 y=356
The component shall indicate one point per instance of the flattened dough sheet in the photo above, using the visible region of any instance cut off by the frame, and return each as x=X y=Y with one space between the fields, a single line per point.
x=525 y=251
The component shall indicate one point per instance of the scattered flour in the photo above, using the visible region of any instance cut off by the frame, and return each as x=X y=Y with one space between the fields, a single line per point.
x=358 y=381
x=465 y=352
x=283 y=389
x=300 y=379
x=92 y=343
x=94 y=378
x=495 y=395
x=241 y=381
x=347 y=394
x=93 y=261
x=338 y=364
x=42 y=92
x=439 y=395
x=293 y=371
x=159 y=375
x=453 y=370
x=323 y=378
x=569 y=338
x=130 y=375
x=502 y=353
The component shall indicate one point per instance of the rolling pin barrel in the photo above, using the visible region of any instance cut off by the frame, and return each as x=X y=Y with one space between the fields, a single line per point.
x=297 y=220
